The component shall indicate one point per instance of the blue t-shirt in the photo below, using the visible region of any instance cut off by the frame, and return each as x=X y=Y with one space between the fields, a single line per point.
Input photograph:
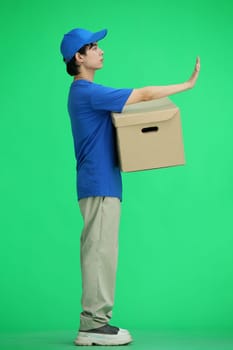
x=90 y=106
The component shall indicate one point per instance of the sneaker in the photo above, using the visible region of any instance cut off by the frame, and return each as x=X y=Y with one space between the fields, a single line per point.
x=105 y=335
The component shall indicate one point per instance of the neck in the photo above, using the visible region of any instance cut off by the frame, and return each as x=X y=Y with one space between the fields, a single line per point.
x=86 y=75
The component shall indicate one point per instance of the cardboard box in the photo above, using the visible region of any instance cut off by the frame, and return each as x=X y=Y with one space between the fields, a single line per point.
x=149 y=135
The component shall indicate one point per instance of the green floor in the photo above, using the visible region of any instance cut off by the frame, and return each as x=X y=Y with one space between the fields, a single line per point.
x=143 y=340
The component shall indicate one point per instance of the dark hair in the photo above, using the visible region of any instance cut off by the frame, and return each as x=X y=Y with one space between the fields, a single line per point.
x=72 y=67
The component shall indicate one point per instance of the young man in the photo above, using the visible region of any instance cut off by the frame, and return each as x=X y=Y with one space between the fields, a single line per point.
x=99 y=185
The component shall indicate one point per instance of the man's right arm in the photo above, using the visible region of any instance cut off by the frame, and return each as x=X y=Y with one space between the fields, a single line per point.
x=154 y=92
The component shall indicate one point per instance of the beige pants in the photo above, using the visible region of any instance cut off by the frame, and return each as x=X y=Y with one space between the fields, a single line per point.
x=99 y=253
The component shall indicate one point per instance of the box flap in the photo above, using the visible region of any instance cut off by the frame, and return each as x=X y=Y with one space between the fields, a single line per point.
x=144 y=112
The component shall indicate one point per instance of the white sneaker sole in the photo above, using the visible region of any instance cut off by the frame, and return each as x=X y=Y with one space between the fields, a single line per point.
x=122 y=338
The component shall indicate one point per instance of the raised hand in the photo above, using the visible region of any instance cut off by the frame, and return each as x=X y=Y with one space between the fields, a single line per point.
x=194 y=76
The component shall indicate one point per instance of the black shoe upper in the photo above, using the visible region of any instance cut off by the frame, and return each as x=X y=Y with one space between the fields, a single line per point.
x=106 y=329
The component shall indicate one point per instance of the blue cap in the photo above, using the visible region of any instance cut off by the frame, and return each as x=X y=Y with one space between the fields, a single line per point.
x=77 y=38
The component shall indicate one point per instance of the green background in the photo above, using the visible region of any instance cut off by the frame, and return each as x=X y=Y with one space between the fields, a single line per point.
x=176 y=258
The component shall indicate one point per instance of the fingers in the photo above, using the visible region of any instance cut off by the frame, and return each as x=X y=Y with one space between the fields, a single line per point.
x=195 y=73
x=198 y=64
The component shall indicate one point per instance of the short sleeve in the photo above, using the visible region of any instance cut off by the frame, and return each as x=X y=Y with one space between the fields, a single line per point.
x=109 y=99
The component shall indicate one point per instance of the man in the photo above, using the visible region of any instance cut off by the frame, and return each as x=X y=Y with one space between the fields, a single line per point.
x=99 y=184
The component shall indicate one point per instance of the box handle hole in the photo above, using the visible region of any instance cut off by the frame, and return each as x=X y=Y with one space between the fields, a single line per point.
x=150 y=129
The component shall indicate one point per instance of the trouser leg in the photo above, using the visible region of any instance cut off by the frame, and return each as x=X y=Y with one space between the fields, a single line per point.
x=99 y=254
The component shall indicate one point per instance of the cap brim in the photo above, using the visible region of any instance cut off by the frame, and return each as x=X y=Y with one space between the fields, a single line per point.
x=98 y=36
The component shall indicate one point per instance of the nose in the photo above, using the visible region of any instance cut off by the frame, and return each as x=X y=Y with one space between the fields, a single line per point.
x=101 y=51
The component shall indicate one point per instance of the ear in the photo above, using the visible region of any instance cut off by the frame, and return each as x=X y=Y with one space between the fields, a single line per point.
x=79 y=57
